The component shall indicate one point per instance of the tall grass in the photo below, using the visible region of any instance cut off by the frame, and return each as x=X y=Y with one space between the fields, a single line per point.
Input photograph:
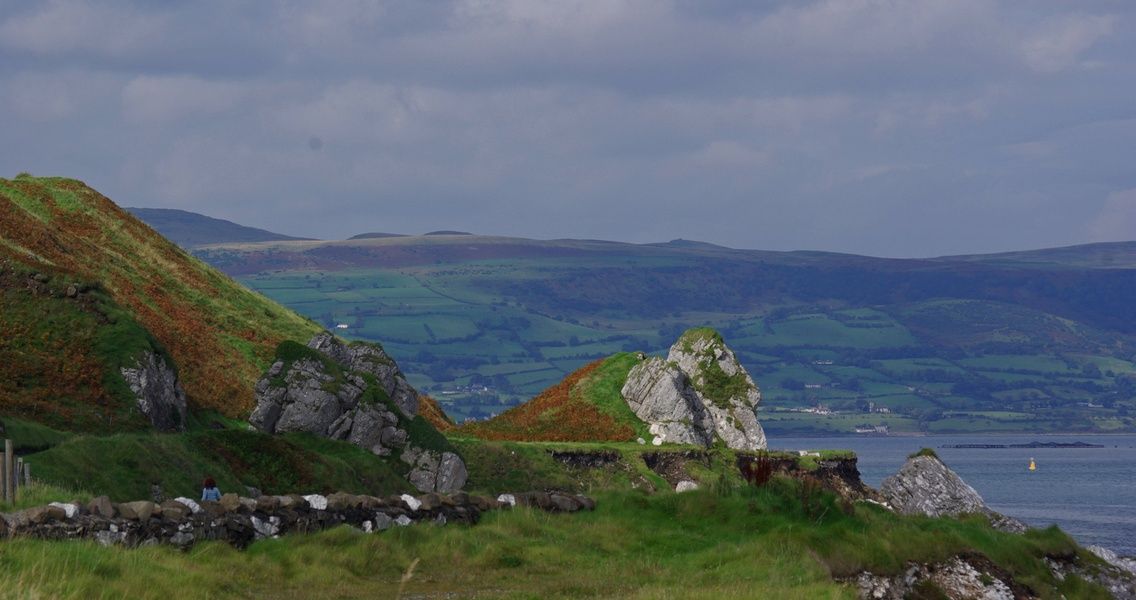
x=744 y=543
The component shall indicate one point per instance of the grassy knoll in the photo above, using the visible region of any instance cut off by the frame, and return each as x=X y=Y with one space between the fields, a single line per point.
x=780 y=541
x=586 y=405
x=85 y=286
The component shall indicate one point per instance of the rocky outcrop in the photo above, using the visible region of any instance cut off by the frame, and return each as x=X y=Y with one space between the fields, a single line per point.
x=157 y=392
x=347 y=392
x=356 y=393
x=372 y=360
x=960 y=578
x=1124 y=563
x=433 y=471
x=1116 y=575
x=240 y=521
x=699 y=394
x=926 y=486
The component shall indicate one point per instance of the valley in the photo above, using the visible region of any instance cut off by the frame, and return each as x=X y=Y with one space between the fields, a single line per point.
x=836 y=342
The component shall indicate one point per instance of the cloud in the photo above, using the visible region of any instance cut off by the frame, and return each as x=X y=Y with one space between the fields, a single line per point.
x=1116 y=219
x=827 y=124
x=1059 y=43
x=66 y=26
x=148 y=98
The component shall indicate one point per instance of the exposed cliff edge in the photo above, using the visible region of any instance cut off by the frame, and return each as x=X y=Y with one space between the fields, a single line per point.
x=925 y=485
x=157 y=391
x=354 y=392
x=700 y=393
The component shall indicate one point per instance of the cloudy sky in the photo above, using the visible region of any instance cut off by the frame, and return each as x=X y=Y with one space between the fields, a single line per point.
x=884 y=127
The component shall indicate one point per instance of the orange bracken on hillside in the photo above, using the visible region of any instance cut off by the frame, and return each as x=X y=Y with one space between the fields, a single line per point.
x=558 y=414
x=428 y=408
x=220 y=335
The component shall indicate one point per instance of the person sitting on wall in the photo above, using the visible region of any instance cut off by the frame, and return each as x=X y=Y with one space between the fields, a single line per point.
x=210 y=491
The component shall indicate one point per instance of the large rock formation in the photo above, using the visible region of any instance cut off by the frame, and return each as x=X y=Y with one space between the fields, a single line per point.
x=926 y=486
x=698 y=394
x=351 y=392
x=157 y=392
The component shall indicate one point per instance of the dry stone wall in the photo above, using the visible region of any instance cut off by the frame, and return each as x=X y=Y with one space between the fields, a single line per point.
x=240 y=521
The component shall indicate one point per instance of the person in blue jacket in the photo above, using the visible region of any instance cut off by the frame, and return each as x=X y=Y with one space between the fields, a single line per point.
x=210 y=491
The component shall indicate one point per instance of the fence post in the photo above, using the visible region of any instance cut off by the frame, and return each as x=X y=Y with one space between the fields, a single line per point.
x=10 y=462
x=27 y=474
x=19 y=474
x=4 y=477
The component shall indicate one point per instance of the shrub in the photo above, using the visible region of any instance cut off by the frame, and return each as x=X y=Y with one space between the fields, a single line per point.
x=924 y=452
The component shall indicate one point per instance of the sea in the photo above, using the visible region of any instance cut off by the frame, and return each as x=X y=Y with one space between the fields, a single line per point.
x=1089 y=492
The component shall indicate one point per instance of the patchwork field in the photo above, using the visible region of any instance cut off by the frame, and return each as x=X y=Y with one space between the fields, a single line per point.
x=485 y=335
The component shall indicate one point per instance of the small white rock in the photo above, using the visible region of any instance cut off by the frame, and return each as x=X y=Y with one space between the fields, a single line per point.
x=193 y=507
x=686 y=485
x=641 y=441
x=317 y=501
x=70 y=509
x=509 y=499
x=411 y=501
x=402 y=520
x=657 y=441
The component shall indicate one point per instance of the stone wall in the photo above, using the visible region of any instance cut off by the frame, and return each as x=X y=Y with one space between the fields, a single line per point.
x=240 y=521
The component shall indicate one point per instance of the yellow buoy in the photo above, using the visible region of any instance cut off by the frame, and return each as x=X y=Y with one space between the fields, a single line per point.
x=1033 y=465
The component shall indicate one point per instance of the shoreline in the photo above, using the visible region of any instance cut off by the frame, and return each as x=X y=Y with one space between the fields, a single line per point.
x=936 y=435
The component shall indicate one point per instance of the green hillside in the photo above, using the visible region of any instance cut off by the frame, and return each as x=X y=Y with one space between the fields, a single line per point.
x=85 y=287
x=952 y=344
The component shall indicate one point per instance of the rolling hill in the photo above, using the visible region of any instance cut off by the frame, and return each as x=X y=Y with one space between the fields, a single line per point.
x=1030 y=341
x=86 y=286
x=188 y=229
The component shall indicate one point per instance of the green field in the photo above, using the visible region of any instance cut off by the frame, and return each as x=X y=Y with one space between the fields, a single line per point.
x=482 y=336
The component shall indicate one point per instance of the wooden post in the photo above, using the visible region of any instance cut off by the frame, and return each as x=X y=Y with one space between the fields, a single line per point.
x=10 y=461
x=27 y=474
x=19 y=480
x=4 y=477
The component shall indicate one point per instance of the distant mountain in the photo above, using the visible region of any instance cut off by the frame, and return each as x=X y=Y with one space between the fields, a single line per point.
x=190 y=230
x=375 y=235
x=447 y=232
x=1105 y=255
x=87 y=290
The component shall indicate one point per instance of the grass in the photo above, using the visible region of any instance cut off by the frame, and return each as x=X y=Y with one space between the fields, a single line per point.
x=124 y=466
x=582 y=407
x=40 y=493
x=770 y=542
x=29 y=436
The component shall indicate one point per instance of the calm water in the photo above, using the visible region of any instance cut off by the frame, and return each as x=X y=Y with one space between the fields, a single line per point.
x=1090 y=493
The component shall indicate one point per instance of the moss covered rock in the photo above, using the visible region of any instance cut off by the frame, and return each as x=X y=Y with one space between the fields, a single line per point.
x=698 y=395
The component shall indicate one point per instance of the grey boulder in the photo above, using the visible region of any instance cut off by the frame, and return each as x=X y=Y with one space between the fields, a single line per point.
x=925 y=485
x=434 y=471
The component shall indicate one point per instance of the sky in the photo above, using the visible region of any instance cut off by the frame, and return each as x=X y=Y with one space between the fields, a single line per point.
x=903 y=128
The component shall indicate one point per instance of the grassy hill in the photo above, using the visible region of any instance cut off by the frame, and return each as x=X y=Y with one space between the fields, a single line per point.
x=1032 y=341
x=585 y=406
x=85 y=285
